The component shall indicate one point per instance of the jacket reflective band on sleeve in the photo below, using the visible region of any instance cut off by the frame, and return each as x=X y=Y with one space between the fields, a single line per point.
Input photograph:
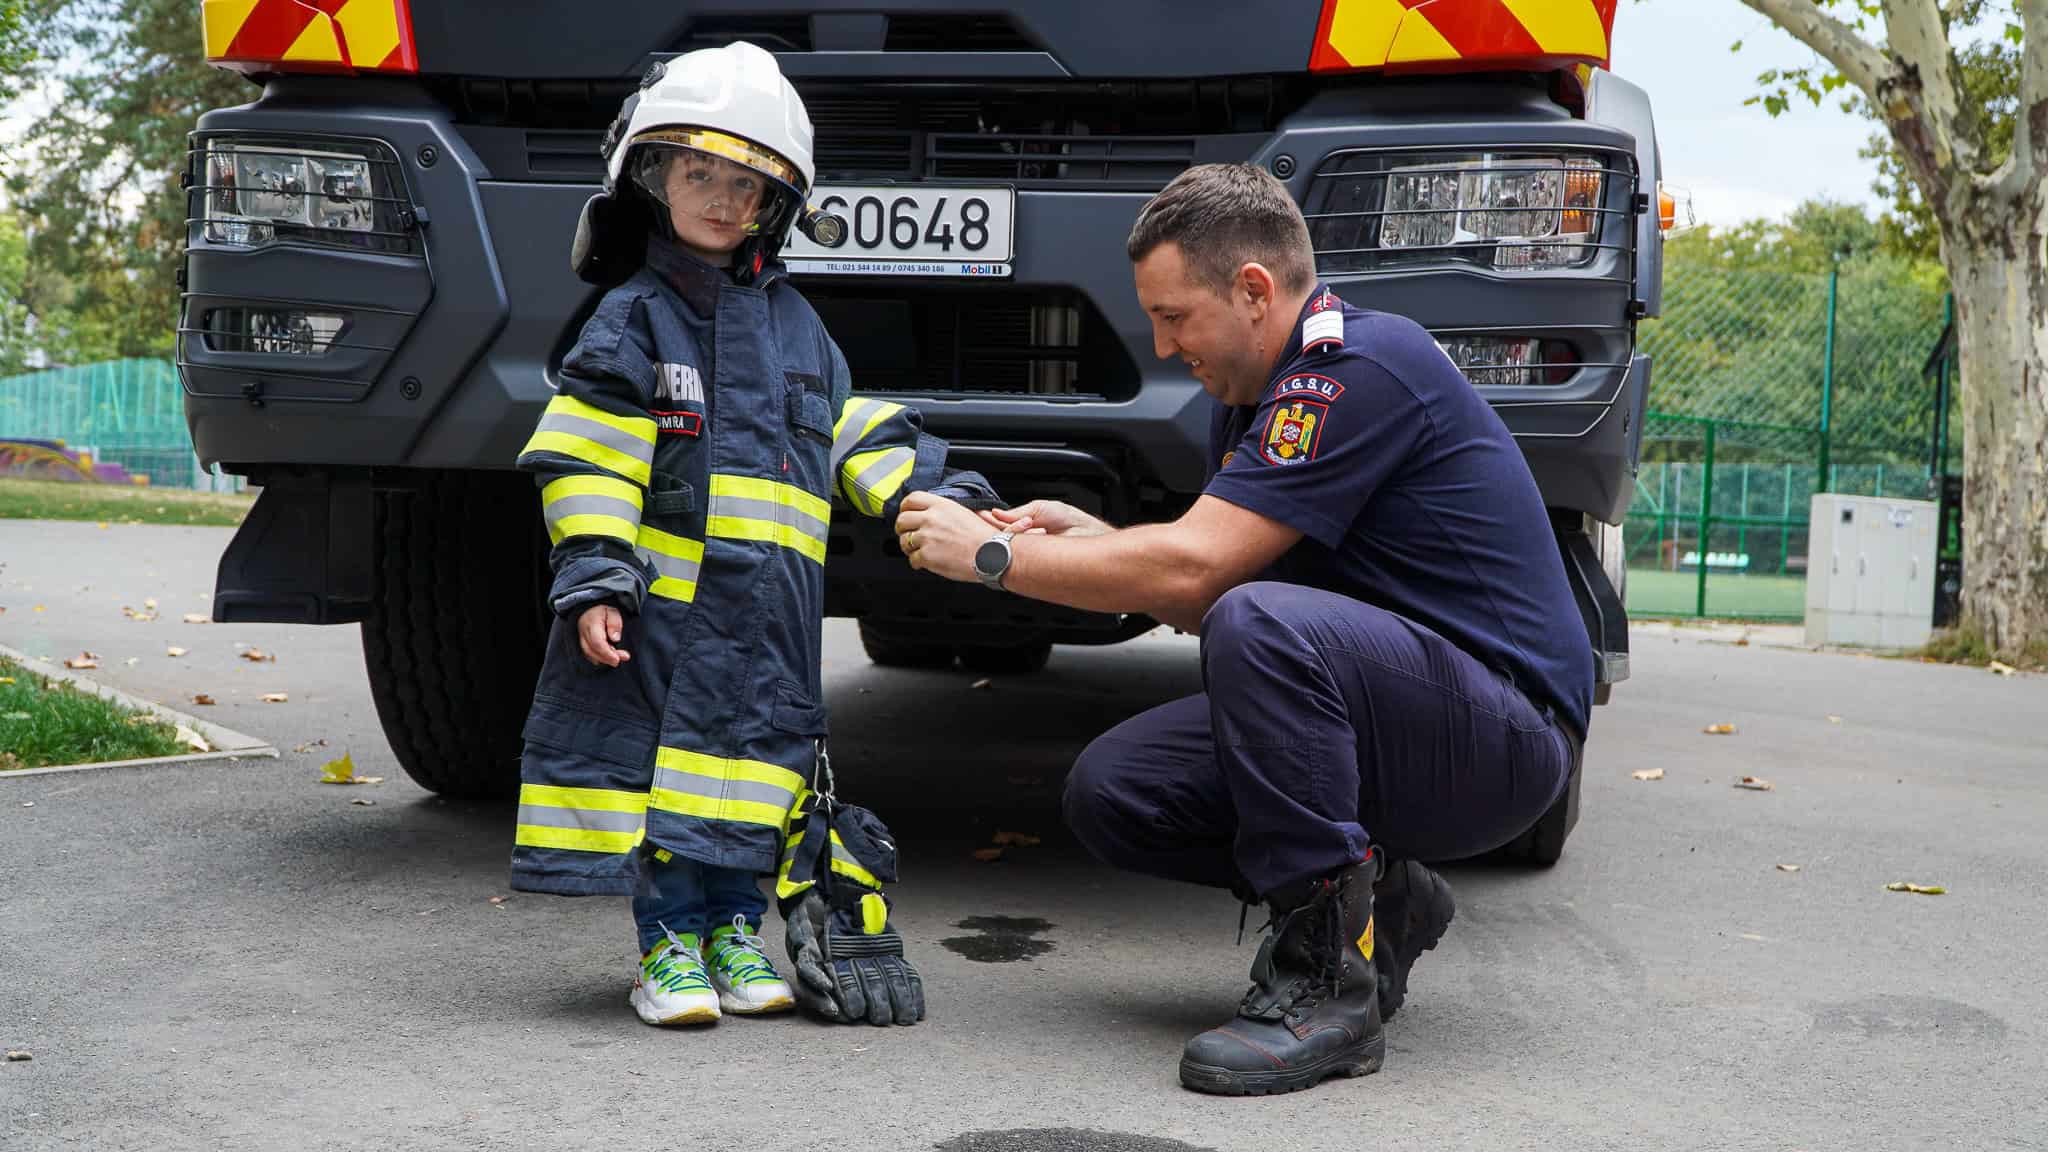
x=591 y=505
x=621 y=445
x=309 y=35
x=580 y=819
x=717 y=788
x=871 y=479
x=675 y=560
x=857 y=421
x=751 y=508
x=1462 y=34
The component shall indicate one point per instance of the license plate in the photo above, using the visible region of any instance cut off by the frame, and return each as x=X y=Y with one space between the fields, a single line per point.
x=911 y=230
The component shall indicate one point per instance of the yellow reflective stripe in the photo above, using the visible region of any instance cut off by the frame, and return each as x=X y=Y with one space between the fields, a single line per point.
x=591 y=524
x=670 y=588
x=638 y=427
x=757 y=488
x=669 y=544
x=590 y=452
x=736 y=528
x=576 y=839
x=755 y=771
x=871 y=497
x=883 y=411
x=588 y=799
x=844 y=864
x=719 y=808
x=874 y=914
x=563 y=487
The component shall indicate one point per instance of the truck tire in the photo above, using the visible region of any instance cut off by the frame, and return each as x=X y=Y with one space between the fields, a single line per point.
x=454 y=640
x=1008 y=660
x=891 y=650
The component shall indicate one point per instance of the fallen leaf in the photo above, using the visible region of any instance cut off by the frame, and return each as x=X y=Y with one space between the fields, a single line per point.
x=197 y=618
x=103 y=523
x=988 y=855
x=201 y=698
x=28 y=803
x=1016 y=839
x=9 y=762
x=340 y=771
x=1921 y=889
x=309 y=745
x=19 y=1054
x=497 y=899
x=257 y=656
x=174 y=651
x=2002 y=668
x=365 y=803
x=1649 y=774
x=1788 y=867
x=1833 y=719
x=276 y=698
x=132 y=661
x=83 y=662
x=150 y=603
x=1755 y=784
x=193 y=740
x=983 y=684
x=40 y=608
x=1755 y=937
x=1719 y=729
x=1742 y=641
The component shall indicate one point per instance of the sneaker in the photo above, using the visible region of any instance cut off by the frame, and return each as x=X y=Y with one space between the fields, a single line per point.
x=747 y=981
x=673 y=987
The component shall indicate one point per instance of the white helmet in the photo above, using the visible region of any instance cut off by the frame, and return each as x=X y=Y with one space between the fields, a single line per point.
x=731 y=103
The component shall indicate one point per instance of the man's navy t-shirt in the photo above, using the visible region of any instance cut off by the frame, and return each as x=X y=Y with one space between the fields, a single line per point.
x=1411 y=496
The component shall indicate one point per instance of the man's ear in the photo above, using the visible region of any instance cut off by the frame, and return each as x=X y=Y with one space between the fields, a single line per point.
x=1255 y=284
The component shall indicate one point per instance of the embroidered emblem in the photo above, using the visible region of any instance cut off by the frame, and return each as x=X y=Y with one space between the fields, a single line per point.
x=1323 y=329
x=1227 y=458
x=1308 y=384
x=1292 y=433
x=678 y=423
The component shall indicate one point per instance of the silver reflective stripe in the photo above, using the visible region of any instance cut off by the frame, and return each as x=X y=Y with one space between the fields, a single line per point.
x=888 y=462
x=716 y=788
x=673 y=567
x=591 y=506
x=622 y=443
x=744 y=508
x=852 y=419
x=549 y=816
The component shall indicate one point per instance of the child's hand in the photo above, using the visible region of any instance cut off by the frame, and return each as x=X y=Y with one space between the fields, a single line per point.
x=599 y=630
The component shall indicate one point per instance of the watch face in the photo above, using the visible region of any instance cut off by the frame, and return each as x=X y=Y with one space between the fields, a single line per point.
x=992 y=557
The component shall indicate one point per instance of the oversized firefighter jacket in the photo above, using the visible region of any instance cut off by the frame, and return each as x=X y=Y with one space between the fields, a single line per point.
x=688 y=466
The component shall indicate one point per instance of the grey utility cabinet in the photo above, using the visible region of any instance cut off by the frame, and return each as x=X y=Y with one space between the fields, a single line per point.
x=1870 y=571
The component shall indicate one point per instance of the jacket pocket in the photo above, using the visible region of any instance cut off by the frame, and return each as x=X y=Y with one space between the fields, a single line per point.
x=795 y=712
x=669 y=496
x=565 y=726
x=810 y=405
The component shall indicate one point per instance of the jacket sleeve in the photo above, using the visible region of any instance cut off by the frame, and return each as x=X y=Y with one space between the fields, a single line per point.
x=881 y=453
x=592 y=453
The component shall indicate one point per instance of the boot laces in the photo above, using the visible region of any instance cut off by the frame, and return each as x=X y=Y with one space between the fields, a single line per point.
x=1323 y=918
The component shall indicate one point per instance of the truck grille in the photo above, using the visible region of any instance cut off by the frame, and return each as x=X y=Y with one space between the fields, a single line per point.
x=920 y=339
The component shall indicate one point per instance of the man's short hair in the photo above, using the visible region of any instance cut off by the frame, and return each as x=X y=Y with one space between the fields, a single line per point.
x=1225 y=216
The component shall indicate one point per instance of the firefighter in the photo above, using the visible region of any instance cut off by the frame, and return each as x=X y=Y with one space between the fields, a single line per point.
x=1395 y=667
x=688 y=466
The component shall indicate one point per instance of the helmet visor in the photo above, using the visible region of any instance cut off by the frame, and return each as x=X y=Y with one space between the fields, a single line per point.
x=715 y=177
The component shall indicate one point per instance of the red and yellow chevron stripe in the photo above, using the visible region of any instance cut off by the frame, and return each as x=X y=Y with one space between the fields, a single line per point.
x=1457 y=35
x=310 y=35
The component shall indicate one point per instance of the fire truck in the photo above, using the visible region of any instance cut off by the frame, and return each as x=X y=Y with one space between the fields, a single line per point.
x=377 y=293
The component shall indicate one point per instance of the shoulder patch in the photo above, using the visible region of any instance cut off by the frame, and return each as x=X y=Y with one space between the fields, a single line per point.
x=1294 y=431
x=1322 y=330
x=1308 y=384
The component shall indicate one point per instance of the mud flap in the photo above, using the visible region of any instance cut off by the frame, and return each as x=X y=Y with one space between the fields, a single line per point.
x=305 y=555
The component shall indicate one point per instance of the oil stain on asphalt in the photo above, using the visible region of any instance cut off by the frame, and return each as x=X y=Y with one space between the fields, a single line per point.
x=1001 y=939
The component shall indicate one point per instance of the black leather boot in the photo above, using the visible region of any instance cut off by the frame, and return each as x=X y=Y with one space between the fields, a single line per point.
x=1313 y=1008
x=1411 y=910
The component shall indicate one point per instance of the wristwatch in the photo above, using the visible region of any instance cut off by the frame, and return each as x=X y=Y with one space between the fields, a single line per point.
x=992 y=559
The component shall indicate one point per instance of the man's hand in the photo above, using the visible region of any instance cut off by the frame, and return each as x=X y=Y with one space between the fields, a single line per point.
x=1049 y=516
x=940 y=536
x=599 y=630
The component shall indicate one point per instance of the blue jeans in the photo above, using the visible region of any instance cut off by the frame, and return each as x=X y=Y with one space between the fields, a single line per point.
x=688 y=897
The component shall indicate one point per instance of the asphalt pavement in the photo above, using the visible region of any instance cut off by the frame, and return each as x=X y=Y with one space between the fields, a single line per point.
x=233 y=955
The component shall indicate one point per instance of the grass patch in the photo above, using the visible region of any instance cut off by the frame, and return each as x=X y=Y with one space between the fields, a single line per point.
x=1730 y=595
x=44 y=723
x=1966 y=645
x=51 y=500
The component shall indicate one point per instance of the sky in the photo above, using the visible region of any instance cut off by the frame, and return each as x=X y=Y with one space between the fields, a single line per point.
x=1738 y=162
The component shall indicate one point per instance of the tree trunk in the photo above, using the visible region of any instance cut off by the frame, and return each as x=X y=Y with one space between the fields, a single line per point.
x=1995 y=265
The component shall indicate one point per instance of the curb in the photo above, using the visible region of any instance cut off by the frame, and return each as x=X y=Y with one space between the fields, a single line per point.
x=228 y=744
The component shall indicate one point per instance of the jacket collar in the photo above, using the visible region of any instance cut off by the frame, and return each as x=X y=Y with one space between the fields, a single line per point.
x=697 y=282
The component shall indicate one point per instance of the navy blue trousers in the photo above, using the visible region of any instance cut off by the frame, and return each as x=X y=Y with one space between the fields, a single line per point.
x=1327 y=725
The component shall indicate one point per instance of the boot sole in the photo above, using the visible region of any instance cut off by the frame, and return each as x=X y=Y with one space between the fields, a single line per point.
x=1427 y=910
x=1364 y=1060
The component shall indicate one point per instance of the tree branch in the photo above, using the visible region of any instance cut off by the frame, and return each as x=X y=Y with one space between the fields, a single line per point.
x=1858 y=61
x=2018 y=178
x=1919 y=43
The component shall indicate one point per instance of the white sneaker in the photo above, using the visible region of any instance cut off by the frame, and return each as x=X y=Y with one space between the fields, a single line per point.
x=672 y=987
x=746 y=978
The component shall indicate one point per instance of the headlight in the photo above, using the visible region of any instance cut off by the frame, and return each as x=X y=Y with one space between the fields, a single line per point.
x=1508 y=361
x=1506 y=210
x=257 y=192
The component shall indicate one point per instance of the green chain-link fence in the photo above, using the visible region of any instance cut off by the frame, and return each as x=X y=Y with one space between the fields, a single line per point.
x=122 y=421
x=1768 y=387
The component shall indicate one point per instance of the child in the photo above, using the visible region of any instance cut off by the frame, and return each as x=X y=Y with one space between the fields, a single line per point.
x=703 y=425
